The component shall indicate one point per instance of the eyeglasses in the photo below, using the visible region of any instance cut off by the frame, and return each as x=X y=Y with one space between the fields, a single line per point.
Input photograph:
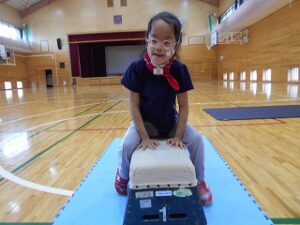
x=166 y=44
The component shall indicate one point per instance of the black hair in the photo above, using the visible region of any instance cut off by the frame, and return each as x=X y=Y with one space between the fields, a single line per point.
x=170 y=19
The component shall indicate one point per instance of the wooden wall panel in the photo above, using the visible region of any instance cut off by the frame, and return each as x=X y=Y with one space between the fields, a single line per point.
x=274 y=42
x=98 y=81
x=14 y=73
x=38 y=63
x=64 y=74
x=30 y=69
x=201 y=62
x=36 y=66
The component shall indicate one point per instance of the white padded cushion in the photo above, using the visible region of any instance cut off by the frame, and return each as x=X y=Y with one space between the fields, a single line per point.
x=165 y=166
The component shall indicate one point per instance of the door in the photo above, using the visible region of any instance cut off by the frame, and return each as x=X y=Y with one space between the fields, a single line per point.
x=49 y=78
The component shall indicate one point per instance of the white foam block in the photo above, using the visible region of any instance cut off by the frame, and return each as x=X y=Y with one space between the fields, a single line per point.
x=166 y=166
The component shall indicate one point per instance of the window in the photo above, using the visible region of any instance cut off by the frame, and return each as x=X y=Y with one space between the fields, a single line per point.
x=231 y=76
x=293 y=74
x=253 y=75
x=10 y=31
x=123 y=3
x=236 y=4
x=19 y=84
x=225 y=76
x=253 y=88
x=267 y=89
x=243 y=86
x=110 y=3
x=243 y=75
x=267 y=75
x=20 y=93
x=2 y=53
x=292 y=90
x=7 y=85
x=8 y=95
x=226 y=14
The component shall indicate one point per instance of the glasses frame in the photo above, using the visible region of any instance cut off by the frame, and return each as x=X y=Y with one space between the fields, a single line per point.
x=158 y=43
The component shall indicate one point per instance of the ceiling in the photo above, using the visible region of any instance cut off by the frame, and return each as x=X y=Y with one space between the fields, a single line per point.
x=215 y=3
x=20 y=5
x=25 y=7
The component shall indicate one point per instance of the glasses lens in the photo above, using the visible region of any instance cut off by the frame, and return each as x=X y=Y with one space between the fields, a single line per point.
x=154 y=42
x=167 y=44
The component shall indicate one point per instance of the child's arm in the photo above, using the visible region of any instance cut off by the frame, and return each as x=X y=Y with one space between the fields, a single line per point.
x=138 y=121
x=182 y=99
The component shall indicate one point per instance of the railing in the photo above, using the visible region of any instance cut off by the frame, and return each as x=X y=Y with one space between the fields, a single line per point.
x=233 y=37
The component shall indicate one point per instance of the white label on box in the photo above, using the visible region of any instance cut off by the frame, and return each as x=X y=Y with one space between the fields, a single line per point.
x=163 y=193
x=145 y=203
x=144 y=194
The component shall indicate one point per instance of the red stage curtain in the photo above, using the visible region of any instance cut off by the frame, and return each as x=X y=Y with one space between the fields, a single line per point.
x=106 y=36
x=78 y=57
x=75 y=60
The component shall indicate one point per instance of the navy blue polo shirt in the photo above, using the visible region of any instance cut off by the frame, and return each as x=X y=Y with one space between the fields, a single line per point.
x=157 y=97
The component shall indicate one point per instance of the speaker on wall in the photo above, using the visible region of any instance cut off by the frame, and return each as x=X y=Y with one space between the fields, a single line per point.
x=58 y=41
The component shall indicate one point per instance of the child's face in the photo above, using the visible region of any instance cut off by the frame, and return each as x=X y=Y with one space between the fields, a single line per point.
x=161 y=42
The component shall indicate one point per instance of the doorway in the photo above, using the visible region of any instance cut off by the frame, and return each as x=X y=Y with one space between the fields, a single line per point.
x=49 y=78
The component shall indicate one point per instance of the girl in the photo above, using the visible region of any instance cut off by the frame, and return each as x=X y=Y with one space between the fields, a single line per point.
x=154 y=83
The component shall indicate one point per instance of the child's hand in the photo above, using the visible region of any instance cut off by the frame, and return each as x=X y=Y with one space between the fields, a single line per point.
x=176 y=142
x=148 y=143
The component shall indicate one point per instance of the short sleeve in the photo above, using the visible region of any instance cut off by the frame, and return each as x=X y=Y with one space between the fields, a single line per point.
x=131 y=79
x=184 y=79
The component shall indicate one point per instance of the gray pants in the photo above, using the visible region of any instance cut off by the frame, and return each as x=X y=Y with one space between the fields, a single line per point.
x=192 y=139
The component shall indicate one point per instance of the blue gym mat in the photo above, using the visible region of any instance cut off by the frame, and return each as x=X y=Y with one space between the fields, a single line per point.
x=95 y=201
x=260 y=112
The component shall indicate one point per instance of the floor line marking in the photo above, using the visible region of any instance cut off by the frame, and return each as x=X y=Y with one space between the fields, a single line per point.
x=55 y=111
x=46 y=100
x=286 y=220
x=9 y=176
x=58 y=123
x=278 y=122
x=122 y=128
x=104 y=101
x=57 y=142
x=75 y=117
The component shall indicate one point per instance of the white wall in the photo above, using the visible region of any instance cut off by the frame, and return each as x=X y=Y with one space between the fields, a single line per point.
x=118 y=58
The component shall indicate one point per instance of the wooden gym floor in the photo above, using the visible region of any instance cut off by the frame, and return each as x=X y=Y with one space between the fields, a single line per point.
x=52 y=137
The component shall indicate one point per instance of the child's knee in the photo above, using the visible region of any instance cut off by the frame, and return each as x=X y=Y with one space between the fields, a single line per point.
x=129 y=146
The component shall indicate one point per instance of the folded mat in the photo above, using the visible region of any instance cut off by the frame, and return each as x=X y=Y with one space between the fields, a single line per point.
x=259 y=112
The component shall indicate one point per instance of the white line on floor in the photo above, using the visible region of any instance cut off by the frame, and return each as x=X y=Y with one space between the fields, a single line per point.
x=9 y=176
